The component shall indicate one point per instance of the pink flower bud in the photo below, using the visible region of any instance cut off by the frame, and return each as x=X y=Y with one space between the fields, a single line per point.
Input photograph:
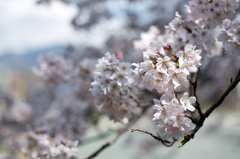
x=119 y=54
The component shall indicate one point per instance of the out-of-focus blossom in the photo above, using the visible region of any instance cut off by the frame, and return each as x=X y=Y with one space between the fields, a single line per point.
x=44 y=147
x=55 y=68
x=230 y=36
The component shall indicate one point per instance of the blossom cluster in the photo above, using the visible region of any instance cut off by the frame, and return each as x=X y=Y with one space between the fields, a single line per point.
x=55 y=68
x=186 y=31
x=196 y=29
x=209 y=14
x=65 y=118
x=230 y=36
x=169 y=115
x=71 y=98
x=179 y=32
x=112 y=87
x=19 y=112
x=44 y=147
x=168 y=75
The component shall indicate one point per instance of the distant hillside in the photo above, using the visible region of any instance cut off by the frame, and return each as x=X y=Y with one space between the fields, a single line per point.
x=26 y=61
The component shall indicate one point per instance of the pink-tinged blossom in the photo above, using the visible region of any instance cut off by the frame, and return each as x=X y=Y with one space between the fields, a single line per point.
x=119 y=54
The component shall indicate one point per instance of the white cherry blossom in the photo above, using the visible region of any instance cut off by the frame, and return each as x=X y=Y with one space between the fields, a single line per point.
x=187 y=102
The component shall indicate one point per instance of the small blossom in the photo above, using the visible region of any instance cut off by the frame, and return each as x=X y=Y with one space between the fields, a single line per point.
x=187 y=102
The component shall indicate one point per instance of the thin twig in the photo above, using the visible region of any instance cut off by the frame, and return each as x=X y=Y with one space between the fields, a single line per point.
x=165 y=142
x=139 y=103
x=109 y=143
x=136 y=99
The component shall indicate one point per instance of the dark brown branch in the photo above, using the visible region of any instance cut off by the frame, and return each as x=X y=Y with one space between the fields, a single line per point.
x=117 y=136
x=195 y=94
x=215 y=105
x=194 y=88
x=190 y=81
x=165 y=142
x=194 y=120
x=225 y=94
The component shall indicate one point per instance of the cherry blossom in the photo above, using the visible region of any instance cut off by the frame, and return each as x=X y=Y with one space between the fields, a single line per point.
x=112 y=88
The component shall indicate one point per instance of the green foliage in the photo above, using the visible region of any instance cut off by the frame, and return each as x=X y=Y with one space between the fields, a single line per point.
x=185 y=140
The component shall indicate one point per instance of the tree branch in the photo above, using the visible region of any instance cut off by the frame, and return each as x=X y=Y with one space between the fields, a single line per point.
x=109 y=143
x=140 y=104
x=215 y=105
x=195 y=94
x=224 y=95
x=194 y=86
x=164 y=142
x=98 y=137
x=194 y=120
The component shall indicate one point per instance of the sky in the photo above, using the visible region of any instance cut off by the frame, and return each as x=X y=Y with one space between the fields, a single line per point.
x=25 y=25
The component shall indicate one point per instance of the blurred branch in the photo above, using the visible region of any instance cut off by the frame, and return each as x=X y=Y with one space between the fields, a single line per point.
x=109 y=143
x=136 y=99
x=98 y=137
x=164 y=142
x=139 y=103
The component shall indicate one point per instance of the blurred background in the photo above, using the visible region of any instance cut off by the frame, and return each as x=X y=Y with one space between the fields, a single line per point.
x=83 y=31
